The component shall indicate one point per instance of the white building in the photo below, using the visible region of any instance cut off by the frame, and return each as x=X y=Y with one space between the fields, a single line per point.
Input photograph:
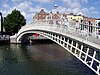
x=97 y=22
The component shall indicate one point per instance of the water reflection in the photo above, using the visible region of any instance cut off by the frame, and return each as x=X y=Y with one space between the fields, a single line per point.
x=39 y=59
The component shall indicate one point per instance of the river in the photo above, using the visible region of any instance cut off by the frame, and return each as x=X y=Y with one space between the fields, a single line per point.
x=39 y=58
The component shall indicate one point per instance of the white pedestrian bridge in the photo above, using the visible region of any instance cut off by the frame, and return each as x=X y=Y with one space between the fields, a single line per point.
x=83 y=45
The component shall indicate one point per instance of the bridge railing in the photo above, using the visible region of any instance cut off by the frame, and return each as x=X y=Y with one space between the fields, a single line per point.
x=89 y=55
x=85 y=31
x=91 y=29
x=80 y=47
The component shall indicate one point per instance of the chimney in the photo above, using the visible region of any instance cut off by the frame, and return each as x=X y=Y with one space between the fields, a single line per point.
x=71 y=14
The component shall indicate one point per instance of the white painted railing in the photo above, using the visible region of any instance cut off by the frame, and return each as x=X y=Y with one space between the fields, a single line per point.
x=89 y=56
x=78 y=42
x=83 y=34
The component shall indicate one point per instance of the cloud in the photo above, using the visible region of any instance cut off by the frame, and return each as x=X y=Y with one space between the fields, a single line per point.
x=61 y=9
x=17 y=1
x=29 y=17
x=85 y=11
x=84 y=1
x=89 y=11
x=29 y=7
x=75 y=6
x=93 y=10
x=43 y=1
x=37 y=9
x=72 y=6
x=23 y=13
x=97 y=2
x=6 y=6
x=24 y=6
x=4 y=12
x=70 y=1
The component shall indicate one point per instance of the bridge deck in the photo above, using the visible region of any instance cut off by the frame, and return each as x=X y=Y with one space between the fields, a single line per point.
x=64 y=30
x=88 y=38
x=78 y=42
x=80 y=34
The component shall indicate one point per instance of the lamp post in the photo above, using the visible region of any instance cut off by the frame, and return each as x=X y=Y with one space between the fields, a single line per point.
x=1 y=23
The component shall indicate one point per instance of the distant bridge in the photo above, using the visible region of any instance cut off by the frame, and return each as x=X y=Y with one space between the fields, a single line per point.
x=81 y=43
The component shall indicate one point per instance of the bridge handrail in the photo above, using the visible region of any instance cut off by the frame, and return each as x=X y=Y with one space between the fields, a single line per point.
x=67 y=31
x=61 y=28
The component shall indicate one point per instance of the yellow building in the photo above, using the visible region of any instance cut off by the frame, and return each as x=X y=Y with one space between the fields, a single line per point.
x=74 y=18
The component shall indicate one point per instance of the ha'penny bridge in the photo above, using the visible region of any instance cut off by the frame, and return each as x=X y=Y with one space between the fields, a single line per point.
x=82 y=42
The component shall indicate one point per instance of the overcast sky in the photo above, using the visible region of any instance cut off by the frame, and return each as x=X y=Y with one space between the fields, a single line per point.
x=28 y=8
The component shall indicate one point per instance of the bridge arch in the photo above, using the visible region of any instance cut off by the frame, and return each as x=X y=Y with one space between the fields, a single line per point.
x=84 y=50
x=19 y=37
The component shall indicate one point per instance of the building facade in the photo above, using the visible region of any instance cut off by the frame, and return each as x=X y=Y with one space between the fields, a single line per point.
x=74 y=18
x=40 y=16
x=69 y=20
x=97 y=22
x=53 y=17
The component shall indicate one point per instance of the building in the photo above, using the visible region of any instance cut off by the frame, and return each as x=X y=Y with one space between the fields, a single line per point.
x=74 y=18
x=97 y=22
x=90 y=24
x=53 y=17
x=40 y=16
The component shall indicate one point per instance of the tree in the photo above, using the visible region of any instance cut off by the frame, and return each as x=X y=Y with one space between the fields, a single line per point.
x=14 y=21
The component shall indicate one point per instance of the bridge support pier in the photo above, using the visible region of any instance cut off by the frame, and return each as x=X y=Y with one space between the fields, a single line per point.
x=13 y=40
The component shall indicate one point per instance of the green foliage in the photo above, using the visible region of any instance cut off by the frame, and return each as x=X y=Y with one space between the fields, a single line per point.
x=14 y=21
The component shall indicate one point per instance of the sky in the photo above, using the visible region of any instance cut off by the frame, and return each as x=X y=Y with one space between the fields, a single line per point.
x=28 y=8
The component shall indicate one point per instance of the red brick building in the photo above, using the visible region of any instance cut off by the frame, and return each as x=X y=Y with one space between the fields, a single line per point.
x=41 y=15
x=54 y=17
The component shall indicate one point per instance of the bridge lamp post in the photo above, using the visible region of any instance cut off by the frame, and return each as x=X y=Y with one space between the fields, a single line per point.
x=51 y=17
x=1 y=23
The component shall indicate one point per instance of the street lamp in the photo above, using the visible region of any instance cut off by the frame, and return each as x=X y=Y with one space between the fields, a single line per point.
x=1 y=23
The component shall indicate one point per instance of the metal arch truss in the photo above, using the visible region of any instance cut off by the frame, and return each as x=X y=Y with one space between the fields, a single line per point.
x=88 y=55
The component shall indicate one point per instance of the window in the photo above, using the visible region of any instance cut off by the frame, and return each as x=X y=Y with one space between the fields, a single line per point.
x=39 y=15
x=43 y=15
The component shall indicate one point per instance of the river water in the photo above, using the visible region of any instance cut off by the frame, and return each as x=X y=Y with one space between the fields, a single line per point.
x=39 y=58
